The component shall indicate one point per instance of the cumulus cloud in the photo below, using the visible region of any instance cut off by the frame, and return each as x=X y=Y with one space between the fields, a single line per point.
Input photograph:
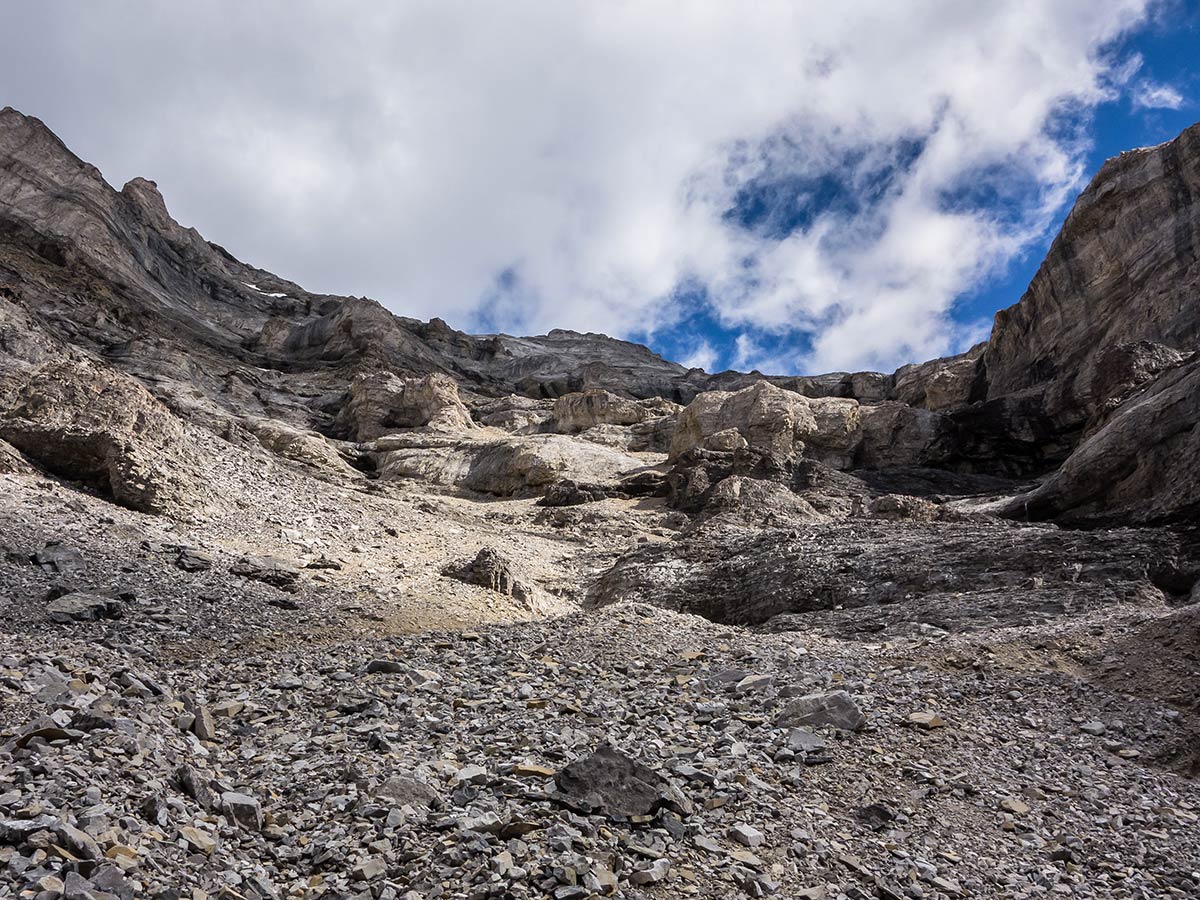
x=703 y=356
x=1151 y=95
x=829 y=172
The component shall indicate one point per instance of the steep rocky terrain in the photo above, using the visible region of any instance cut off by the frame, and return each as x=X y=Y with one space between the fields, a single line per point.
x=304 y=599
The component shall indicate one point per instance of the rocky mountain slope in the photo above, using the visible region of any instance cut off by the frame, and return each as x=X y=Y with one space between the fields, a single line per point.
x=305 y=599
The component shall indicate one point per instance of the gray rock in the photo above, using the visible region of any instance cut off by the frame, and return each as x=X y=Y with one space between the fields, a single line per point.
x=83 y=608
x=612 y=784
x=833 y=708
x=242 y=809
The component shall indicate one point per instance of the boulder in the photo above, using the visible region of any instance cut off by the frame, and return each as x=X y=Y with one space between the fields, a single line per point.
x=91 y=424
x=766 y=417
x=578 y=412
x=297 y=444
x=614 y=785
x=493 y=571
x=278 y=573
x=505 y=466
x=834 y=708
x=382 y=402
x=81 y=607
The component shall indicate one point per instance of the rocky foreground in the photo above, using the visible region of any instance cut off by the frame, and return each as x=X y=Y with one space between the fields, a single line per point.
x=303 y=599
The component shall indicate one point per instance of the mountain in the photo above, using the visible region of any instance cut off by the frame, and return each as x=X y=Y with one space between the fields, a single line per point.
x=305 y=599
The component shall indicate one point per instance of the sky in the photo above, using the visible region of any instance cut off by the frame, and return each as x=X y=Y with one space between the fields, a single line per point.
x=783 y=186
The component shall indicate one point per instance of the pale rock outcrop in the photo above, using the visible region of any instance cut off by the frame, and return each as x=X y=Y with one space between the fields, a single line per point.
x=380 y=402
x=768 y=418
x=578 y=412
x=515 y=414
x=837 y=431
x=91 y=424
x=505 y=466
x=292 y=443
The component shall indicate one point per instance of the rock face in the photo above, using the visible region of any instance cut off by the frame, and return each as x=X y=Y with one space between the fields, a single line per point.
x=574 y=413
x=785 y=425
x=1142 y=464
x=1124 y=268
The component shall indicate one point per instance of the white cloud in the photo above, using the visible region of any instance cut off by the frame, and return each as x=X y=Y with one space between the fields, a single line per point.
x=413 y=152
x=1151 y=95
x=703 y=356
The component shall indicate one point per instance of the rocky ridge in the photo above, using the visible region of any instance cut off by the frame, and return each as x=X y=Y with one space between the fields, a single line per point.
x=305 y=599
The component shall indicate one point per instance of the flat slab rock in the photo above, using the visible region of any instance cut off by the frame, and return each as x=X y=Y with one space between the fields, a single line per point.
x=835 y=708
x=612 y=784
x=82 y=608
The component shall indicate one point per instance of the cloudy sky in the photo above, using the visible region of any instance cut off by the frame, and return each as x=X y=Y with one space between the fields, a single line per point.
x=791 y=186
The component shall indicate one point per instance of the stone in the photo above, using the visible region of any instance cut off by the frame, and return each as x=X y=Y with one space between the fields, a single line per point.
x=382 y=402
x=1015 y=806
x=370 y=869
x=614 y=785
x=83 y=608
x=493 y=571
x=803 y=740
x=746 y=835
x=651 y=873
x=190 y=559
x=270 y=570
x=198 y=840
x=203 y=726
x=386 y=666
x=925 y=719
x=242 y=809
x=99 y=427
x=60 y=559
x=405 y=790
x=833 y=708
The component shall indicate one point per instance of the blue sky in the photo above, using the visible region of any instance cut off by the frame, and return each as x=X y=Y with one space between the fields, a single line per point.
x=799 y=188
x=1168 y=48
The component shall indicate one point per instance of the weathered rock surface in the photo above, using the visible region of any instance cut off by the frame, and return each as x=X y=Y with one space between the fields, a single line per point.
x=1124 y=268
x=382 y=402
x=503 y=465
x=493 y=571
x=95 y=426
x=1141 y=465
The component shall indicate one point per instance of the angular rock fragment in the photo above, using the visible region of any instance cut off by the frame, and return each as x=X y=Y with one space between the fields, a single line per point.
x=270 y=570
x=612 y=784
x=491 y=570
x=82 y=608
x=59 y=559
x=833 y=708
